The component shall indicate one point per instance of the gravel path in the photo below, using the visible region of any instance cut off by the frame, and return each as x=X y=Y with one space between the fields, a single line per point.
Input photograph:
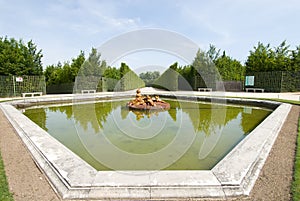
x=26 y=182
x=275 y=178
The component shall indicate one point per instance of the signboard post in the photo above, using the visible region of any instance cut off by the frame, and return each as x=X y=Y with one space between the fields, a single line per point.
x=16 y=79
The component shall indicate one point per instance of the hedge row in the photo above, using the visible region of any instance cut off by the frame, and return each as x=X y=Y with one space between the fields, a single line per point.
x=16 y=85
x=129 y=81
x=276 y=81
x=168 y=80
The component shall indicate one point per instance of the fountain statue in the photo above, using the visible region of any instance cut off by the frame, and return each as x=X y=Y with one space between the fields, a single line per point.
x=147 y=102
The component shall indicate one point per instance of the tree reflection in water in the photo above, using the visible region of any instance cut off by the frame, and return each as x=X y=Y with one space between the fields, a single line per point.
x=217 y=128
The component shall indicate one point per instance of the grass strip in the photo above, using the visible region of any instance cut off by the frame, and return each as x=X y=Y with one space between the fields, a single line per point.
x=5 y=195
x=296 y=182
x=285 y=101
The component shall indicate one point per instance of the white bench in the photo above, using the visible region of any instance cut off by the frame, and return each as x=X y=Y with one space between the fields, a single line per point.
x=31 y=94
x=204 y=89
x=255 y=89
x=88 y=91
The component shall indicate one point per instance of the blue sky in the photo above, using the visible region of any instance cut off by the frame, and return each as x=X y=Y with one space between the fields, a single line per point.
x=61 y=28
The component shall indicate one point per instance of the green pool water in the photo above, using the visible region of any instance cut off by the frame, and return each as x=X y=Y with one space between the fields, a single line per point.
x=109 y=136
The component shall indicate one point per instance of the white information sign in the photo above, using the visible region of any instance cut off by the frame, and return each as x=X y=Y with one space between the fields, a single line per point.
x=249 y=81
x=19 y=79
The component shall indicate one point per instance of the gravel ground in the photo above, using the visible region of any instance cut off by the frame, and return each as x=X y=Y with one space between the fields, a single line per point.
x=26 y=182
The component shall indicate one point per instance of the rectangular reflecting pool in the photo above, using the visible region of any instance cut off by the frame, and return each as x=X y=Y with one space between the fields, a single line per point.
x=189 y=136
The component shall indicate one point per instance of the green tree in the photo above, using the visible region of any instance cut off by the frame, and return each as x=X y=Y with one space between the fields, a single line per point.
x=295 y=59
x=111 y=77
x=204 y=73
x=33 y=60
x=187 y=72
x=282 y=57
x=52 y=74
x=174 y=66
x=230 y=69
x=149 y=77
x=90 y=75
x=263 y=58
x=112 y=72
x=213 y=53
x=202 y=63
x=66 y=73
x=17 y=58
x=76 y=64
x=93 y=66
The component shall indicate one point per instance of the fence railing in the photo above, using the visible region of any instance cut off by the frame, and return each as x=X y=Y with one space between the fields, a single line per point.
x=11 y=86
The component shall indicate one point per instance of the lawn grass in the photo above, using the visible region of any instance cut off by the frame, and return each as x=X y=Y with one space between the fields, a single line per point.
x=285 y=101
x=5 y=195
x=296 y=183
x=293 y=102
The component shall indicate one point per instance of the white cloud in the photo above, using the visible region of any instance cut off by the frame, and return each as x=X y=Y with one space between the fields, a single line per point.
x=96 y=16
x=64 y=27
x=236 y=26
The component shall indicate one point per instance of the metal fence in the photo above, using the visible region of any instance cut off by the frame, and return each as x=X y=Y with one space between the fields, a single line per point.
x=11 y=86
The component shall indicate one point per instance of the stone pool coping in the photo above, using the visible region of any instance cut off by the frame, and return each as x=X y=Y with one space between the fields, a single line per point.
x=72 y=177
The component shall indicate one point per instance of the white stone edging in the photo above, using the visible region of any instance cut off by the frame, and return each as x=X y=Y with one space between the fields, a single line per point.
x=72 y=177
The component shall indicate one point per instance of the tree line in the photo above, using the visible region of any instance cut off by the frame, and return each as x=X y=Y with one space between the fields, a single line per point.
x=264 y=58
x=20 y=58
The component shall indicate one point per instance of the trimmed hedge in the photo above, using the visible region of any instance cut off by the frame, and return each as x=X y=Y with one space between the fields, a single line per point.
x=207 y=80
x=168 y=80
x=276 y=81
x=64 y=88
x=130 y=80
x=290 y=81
x=87 y=83
x=109 y=84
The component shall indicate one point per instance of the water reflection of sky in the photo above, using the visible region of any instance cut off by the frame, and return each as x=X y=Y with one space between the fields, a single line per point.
x=188 y=136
